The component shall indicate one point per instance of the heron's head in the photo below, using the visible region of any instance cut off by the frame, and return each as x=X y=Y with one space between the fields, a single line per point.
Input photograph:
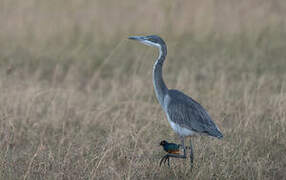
x=152 y=40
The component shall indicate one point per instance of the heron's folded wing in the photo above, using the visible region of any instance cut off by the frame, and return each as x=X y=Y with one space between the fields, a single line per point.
x=188 y=113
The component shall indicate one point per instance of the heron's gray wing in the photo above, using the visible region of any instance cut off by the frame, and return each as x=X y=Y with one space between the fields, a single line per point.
x=188 y=113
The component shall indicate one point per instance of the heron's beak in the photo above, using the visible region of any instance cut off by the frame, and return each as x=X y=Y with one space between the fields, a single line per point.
x=137 y=38
x=144 y=40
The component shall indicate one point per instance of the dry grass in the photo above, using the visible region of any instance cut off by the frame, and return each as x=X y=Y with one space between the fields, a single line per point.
x=77 y=102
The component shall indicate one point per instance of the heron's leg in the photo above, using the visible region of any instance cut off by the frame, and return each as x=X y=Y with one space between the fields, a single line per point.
x=191 y=154
x=184 y=147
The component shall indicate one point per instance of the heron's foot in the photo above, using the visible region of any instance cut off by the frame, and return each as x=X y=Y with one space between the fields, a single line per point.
x=167 y=157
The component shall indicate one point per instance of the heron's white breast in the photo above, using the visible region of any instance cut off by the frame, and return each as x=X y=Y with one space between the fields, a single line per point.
x=182 y=131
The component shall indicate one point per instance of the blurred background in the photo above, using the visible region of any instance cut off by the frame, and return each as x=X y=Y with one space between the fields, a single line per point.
x=87 y=31
x=77 y=100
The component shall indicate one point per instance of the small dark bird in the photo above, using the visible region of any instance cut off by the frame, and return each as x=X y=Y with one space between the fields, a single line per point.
x=170 y=148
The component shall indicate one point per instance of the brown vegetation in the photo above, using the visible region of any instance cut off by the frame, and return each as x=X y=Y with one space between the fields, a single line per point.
x=77 y=101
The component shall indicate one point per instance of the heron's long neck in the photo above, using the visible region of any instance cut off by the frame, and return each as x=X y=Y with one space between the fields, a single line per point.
x=158 y=82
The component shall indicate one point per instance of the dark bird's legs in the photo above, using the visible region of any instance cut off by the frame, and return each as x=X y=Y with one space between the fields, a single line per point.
x=167 y=156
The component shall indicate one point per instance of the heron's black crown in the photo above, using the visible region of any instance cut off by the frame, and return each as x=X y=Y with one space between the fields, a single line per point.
x=152 y=38
x=155 y=39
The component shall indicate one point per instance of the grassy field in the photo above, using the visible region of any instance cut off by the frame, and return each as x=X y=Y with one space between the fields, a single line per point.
x=77 y=100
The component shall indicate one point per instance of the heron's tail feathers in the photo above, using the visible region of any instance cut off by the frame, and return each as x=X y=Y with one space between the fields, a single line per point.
x=215 y=133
